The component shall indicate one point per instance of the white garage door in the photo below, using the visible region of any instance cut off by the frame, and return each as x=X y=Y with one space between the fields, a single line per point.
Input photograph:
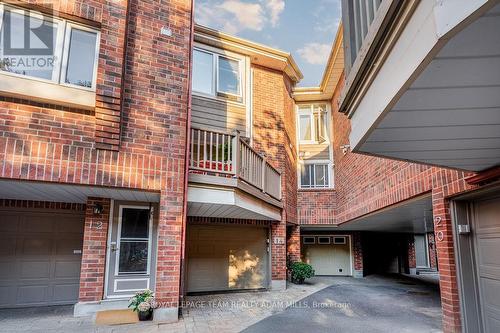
x=40 y=257
x=331 y=257
x=226 y=258
x=487 y=239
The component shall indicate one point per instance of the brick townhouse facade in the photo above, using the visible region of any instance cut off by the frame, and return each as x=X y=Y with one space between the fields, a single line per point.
x=161 y=176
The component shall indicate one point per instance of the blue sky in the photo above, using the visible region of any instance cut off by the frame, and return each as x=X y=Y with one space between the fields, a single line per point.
x=306 y=28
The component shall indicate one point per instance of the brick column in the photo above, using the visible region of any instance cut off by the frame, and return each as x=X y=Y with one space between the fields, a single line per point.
x=412 y=261
x=293 y=243
x=95 y=237
x=432 y=250
x=446 y=261
x=168 y=258
x=357 y=249
x=278 y=256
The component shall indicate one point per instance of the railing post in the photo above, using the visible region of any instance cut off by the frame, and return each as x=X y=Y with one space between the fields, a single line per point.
x=263 y=180
x=236 y=158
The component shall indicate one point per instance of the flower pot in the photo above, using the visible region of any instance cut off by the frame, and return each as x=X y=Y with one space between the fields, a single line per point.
x=145 y=315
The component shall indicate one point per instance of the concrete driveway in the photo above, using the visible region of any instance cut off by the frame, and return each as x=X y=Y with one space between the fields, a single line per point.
x=372 y=304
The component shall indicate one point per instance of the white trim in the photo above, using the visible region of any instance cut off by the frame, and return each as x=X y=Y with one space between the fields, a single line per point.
x=215 y=92
x=115 y=285
x=329 y=165
x=108 y=248
x=336 y=243
x=350 y=247
x=308 y=243
x=61 y=47
x=118 y=241
x=65 y=58
x=329 y=238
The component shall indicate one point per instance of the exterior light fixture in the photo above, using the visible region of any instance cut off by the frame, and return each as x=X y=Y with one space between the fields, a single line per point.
x=345 y=148
x=98 y=209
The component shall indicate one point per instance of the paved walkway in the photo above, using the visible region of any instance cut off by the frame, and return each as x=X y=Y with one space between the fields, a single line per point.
x=211 y=313
x=373 y=304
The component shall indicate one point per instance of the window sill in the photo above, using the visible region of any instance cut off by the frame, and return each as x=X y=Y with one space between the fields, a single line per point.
x=219 y=99
x=322 y=189
x=46 y=92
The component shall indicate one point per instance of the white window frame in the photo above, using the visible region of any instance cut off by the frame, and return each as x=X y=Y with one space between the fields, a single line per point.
x=215 y=75
x=61 y=48
x=310 y=112
x=308 y=242
x=65 y=58
x=328 y=238
x=315 y=162
x=339 y=243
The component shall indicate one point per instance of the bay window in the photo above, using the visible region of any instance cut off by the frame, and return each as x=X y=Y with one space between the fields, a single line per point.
x=46 y=48
x=217 y=75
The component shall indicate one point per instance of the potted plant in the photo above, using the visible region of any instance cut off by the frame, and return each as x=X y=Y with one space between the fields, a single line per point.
x=301 y=271
x=143 y=304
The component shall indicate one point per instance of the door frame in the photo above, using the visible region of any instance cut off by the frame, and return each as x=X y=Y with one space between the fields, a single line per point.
x=121 y=205
x=463 y=213
x=426 y=249
x=351 y=260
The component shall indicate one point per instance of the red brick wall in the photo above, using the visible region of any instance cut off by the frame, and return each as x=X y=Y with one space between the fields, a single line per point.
x=293 y=243
x=274 y=135
x=94 y=251
x=432 y=250
x=316 y=206
x=412 y=261
x=357 y=251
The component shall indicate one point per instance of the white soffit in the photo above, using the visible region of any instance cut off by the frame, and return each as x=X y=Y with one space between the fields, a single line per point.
x=54 y=192
x=450 y=115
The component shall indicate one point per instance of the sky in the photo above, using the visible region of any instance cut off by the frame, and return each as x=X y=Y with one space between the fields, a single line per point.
x=305 y=28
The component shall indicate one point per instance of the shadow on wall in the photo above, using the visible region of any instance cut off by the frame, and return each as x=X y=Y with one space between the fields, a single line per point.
x=245 y=270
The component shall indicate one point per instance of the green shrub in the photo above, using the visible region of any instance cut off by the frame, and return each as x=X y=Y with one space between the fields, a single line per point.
x=301 y=271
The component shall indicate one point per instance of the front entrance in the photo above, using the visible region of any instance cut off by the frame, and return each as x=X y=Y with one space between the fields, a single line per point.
x=328 y=255
x=131 y=264
x=226 y=257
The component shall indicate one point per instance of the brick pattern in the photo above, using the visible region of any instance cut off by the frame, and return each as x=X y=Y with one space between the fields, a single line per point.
x=316 y=206
x=432 y=250
x=226 y=221
x=293 y=244
x=274 y=135
x=412 y=261
x=41 y=204
x=94 y=251
x=357 y=250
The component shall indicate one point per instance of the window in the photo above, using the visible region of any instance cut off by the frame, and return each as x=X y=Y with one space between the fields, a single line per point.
x=312 y=124
x=308 y=240
x=323 y=240
x=52 y=49
x=216 y=75
x=339 y=240
x=315 y=175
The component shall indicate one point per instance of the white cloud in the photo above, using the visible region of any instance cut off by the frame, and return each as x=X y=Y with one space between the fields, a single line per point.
x=315 y=53
x=275 y=7
x=232 y=16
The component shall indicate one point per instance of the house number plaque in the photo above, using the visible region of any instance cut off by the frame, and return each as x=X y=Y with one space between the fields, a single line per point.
x=437 y=223
x=279 y=240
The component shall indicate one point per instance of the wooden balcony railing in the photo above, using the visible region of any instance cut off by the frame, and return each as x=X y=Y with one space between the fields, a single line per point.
x=227 y=154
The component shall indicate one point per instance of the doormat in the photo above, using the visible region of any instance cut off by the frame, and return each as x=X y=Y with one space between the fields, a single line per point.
x=116 y=317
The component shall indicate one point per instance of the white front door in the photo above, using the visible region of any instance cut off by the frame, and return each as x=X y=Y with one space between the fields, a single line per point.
x=130 y=266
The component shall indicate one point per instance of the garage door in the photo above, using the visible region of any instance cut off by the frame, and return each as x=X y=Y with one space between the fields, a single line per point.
x=226 y=258
x=40 y=257
x=487 y=239
x=328 y=255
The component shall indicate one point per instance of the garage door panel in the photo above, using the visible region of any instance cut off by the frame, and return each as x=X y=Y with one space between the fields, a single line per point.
x=35 y=269
x=7 y=246
x=65 y=292
x=66 y=269
x=10 y=222
x=226 y=257
x=37 y=263
x=36 y=246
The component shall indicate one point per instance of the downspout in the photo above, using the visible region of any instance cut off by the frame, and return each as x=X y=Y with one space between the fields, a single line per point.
x=186 y=164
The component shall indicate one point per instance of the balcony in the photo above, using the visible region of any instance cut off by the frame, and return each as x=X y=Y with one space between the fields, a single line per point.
x=229 y=179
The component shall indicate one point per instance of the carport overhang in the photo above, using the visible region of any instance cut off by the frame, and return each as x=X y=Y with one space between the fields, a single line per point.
x=70 y=193
x=430 y=92
x=413 y=216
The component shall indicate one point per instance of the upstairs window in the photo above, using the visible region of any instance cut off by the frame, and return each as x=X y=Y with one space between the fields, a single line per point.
x=312 y=124
x=46 y=48
x=315 y=175
x=216 y=75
